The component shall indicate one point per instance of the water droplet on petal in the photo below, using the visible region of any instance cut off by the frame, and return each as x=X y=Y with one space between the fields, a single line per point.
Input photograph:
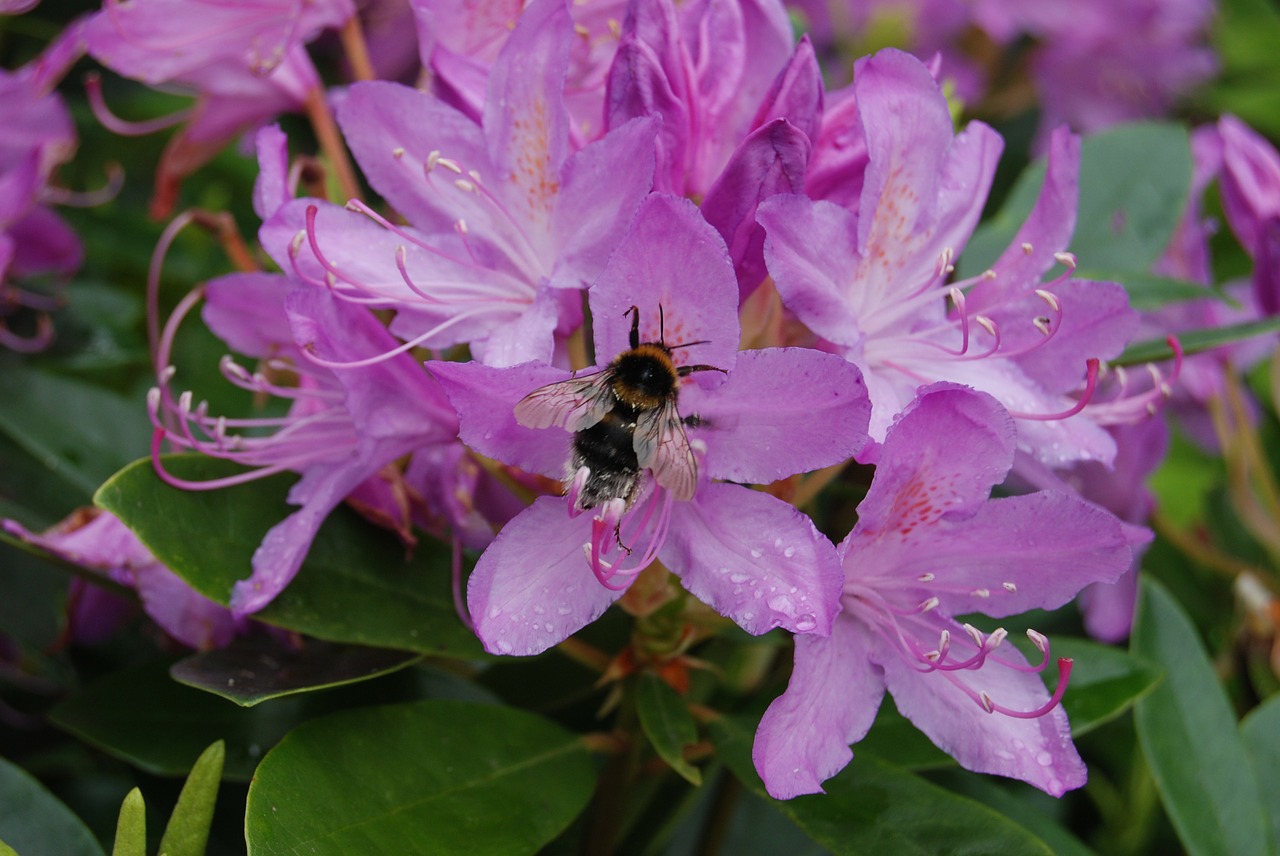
x=789 y=552
x=504 y=647
x=805 y=623
x=1044 y=759
x=738 y=578
x=755 y=553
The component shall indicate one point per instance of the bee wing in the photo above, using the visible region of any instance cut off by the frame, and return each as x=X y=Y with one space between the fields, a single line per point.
x=573 y=404
x=662 y=446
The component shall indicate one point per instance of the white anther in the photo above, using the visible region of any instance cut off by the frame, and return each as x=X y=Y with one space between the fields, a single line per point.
x=928 y=604
x=220 y=429
x=464 y=185
x=330 y=279
x=461 y=226
x=1068 y=259
x=184 y=403
x=925 y=578
x=397 y=152
x=985 y=323
x=1050 y=298
x=295 y=245
x=153 y=398
x=167 y=373
x=615 y=29
x=974 y=634
x=986 y=702
x=1038 y=639
x=1041 y=323
x=475 y=176
x=432 y=157
x=582 y=31
x=449 y=164
x=987 y=274
x=1009 y=587
x=1027 y=249
x=997 y=636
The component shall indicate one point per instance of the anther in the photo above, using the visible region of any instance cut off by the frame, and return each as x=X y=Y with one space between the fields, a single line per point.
x=1050 y=298
x=397 y=152
x=464 y=185
x=974 y=634
x=1027 y=249
x=1041 y=323
x=1068 y=259
x=1038 y=639
x=928 y=604
x=432 y=158
x=450 y=164
x=1009 y=587
x=985 y=323
x=925 y=578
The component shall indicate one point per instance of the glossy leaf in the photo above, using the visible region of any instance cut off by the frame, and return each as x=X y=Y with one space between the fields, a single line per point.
x=894 y=739
x=873 y=807
x=355 y=585
x=34 y=821
x=1134 y=182
x=1261 y=733
x=1148 y=291
x=1189 y=736
x=666 y=721
x=188 y=829
x=252 y=670
x=1015 y=800
x=426 y=778
x=131 y=828
x=1195 y=341
x=82 y=433
x=6 y=850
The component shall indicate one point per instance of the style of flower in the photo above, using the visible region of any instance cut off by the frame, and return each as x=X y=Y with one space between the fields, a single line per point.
x=764 y=416
x=507 y=223
x=99 y=542
x=875 y=281
x=354 y=412
x=929 y=545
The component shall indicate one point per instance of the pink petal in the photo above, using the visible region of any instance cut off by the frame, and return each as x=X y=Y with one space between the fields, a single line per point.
x=830 y=703
x=755 y=559
x=533 y=588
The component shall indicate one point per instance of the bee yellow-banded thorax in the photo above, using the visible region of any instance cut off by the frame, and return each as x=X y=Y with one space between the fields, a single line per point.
x=644 y=377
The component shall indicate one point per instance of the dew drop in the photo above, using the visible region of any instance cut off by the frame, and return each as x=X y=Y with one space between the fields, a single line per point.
x=504 y=647
x=1044 y=759
x=738 y=578
x=805 y=623
x=789 y=552
x=495 y=612
x=755 y=553
x=564 y=610
x=538 y=610
x=1004 y=754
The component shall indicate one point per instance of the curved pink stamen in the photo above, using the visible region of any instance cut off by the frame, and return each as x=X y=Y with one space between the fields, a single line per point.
x=1091 y=386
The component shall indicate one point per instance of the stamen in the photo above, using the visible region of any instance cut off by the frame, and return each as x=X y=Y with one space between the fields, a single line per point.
x=1064 y=675
x=1091 y=385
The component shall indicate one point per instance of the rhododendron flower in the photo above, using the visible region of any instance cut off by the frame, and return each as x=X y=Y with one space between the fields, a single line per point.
x=875 y=281
x=507 y=223
x=351 y=417
x=930 y=545
x=764 y=416
x=99 y=542
x=1250 y=184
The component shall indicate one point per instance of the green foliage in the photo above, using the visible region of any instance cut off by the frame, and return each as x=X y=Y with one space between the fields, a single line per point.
x=33 y=821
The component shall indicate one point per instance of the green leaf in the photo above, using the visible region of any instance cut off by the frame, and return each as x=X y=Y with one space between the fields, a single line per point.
x=1195 y=341
x=131 y=828
x=425 y=778
x=666 y=721
x=1105 y=682
x=188 y=829
x=1014 y=800
x=144 y=717
x=893 y=738
x=873 y=807
x=6 y=850
x=355 y=585
x=34 y=821
x=1188 y=734
x=1134 y=183
x=1261 y=733
x=253 y=669
x=79 y=432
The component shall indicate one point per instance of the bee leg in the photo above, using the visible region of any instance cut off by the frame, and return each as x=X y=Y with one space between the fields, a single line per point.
x=634 y=312
x=685 y=371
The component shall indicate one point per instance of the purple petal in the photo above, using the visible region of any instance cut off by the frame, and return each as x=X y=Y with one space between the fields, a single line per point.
x=533 y=588
x=674 y=267
x=600 y=188
x=830 y=703
x=797 y=93
x=1047 y=229
x=485 y=398
x=812 y=284
x=1038 y=751
x=771 y=160
x=781 y=411
x=944 y=454
x=271 y=190
x=246 y=310
x=754 y=559
x=526 y=124
x=393 y=130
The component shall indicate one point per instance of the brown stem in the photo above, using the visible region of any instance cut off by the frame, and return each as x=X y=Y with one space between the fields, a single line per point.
x=353 y=42
x=331 y=142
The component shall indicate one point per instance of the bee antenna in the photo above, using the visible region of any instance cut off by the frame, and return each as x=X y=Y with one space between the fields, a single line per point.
x=688 y=344
x=662 y=326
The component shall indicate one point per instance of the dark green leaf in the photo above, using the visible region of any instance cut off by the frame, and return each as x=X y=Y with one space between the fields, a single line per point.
x=426 y=778
x=188 y=829
x=894 y=739
x=131 y=828
x=253 y=669
x=1105 y=682
x=666 y=721
x=1261 y=733
x=79 y=432
x=1017 y=801
x=355 y=585
x=1134 y=182
x=34 y=822
x=873 y=807
x=6 y=850
x=1189 y=736
x=1195 y=341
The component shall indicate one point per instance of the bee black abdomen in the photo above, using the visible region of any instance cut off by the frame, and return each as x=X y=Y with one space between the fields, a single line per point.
x=607 y=449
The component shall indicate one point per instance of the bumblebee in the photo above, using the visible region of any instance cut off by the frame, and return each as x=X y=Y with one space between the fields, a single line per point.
x=624 y=420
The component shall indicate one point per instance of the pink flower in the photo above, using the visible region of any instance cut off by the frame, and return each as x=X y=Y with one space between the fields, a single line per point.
x=930 y=545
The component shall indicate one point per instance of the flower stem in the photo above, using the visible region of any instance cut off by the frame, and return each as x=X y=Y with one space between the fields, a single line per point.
x=331 y=142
